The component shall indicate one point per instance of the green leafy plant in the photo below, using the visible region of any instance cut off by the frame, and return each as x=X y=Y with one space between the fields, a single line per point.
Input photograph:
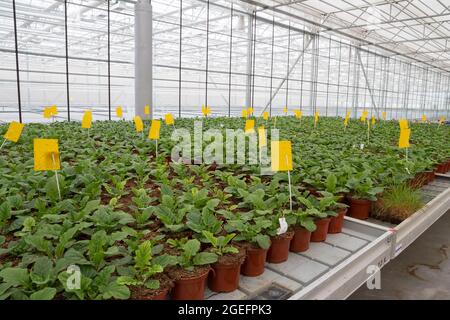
x=191 y=256
x=220 y=244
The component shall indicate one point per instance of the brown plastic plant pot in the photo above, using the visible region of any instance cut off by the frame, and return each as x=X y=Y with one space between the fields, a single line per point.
x=337 y=222
x=359 y=208
x=441 y=168
x=224 y=277
x=254 y=262
x=161 y=296
x=431 y=176
x=279 y=250
x=300 y=241
x=192 y=288
x=321 y=231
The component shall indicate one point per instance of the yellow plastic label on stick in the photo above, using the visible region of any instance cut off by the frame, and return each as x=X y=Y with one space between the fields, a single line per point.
x=249 y=126
x=403 y=124
x=155 y=128
x=281 y=155
x=86 y=122
x=14 y=131
x=138 y=124
x=169 y=119
x=403 y=142
x=262 y=140
x=47 y=113
x=266 y=115
x=119 y=112
x=424 y=118
x=298 y=113
x=147 y=110
x=46 y=154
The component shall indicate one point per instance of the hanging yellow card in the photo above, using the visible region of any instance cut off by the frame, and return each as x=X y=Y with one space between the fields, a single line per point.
x=298 y=113
x=46 y=154
x=249 y=126
x=244 y=113
x=441 y=120
x=383 y=115
x=316 y=117
x=47 y=113
x=14 y=131
x=281 y=155
x=119 y=112
x=53 y=110
x=347 y=117
x=285 y=109
x=147 y=110
x=169 y=119
x=266 y=115
x=154 y=130
x=250 y=111
x=86 y=122
x=424 y=118
x=403 y=124
x=364 y=115
x=373 y=119
x=138 y=124
x=403 y=142
x=262 y=137
x=206 y=110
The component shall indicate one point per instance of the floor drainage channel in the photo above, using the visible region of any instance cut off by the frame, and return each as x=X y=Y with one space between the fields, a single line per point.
x=273 y=292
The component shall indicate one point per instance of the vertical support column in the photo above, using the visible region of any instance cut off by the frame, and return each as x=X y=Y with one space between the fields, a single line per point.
x=143 y=63
x=248 y=88
x=16 y=47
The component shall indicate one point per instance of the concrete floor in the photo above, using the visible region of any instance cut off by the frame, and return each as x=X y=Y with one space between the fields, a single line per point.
x=422 y=271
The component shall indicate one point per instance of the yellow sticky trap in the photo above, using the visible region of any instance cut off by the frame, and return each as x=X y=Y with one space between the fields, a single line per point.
x=403 y=142
x=154 y=130
x=285 y=109
x=250 y=112
x=14 y=131
x=262 y=137
x=119 y=112
x=298 y=113
x=383 y=115
x=441 y=120
x=138 y=124
x=403 y=124
x=345 y=122
x=373 y=120
x=53 y=110
x=316 y=117
x=46 y=154
x=266 y=115
x=47 y=113
x=364 y=115
x=244 y=113
x=281 y=155
x=424 y=118
x=169 y=119
x=249 y=126
x=147 y=110
x=86 y=122
x=206 y=110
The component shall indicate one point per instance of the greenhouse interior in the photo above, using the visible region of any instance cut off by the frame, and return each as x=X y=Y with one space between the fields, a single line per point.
x=224 y=150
